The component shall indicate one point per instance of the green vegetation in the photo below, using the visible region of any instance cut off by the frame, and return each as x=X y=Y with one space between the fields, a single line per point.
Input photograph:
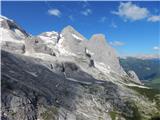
x=155 y=118
x=113 y=115
x=155 y=83
x=5 y=84
x=13 y=113
x=145 y=69
x=50 y=114
x=151 y=94
x=94 y=89
x=156 y=80
x=136 y=115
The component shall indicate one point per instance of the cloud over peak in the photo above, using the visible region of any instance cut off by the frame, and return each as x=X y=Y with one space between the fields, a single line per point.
x=55 y=12
x=131 y=11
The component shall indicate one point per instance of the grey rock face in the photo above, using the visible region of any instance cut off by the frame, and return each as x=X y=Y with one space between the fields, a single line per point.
x=103 y=53
x=37 y=45
x=72 y=41
x=134 y=76
x=98 y=49
x=13 y=47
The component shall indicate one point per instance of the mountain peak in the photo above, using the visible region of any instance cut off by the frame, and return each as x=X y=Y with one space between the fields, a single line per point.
x=69 y=27
x=98 y=37
x=71 y=33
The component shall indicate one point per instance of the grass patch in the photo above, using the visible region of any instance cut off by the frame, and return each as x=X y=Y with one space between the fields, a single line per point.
x=50 y=114
x=113 y=115
x=13 y=113
x=149 y=93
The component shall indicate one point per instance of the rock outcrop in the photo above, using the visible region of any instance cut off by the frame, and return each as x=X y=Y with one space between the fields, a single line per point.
x=103 y=53
x=134 y=76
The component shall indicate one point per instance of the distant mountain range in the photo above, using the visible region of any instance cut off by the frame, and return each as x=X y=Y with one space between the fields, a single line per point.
x=64 y=76
x=148 y=70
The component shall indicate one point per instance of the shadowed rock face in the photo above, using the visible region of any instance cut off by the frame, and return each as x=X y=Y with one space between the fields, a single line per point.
x=62 y=76
x=29 y=89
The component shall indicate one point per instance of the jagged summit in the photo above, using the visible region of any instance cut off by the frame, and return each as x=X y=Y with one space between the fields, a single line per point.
x=68 y=42
x=71 y=33
x=71 y=41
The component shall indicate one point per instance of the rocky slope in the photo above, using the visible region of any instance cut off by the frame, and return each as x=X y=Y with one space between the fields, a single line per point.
x=64 y=76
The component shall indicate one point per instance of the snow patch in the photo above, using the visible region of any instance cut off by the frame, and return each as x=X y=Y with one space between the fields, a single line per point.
x=7 y=35
x=52 y=33
x=19 y=33
x=89 y=52
x=78 y=38
x=49 y=36
x=48 y=40
x=62 y=50
x=134 y=85
x=102 y=67
x=4 y=18
x=39 y=55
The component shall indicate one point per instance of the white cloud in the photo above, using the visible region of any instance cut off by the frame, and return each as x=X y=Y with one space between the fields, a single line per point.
x=86 y=12
x=156 y=48
x=145 y=56
x=117 y=43
x=54 y=12
x=103 y=19
x=154 y=18
x=131 y=11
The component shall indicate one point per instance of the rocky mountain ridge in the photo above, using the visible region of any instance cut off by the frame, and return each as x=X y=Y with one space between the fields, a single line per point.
x=64 y=76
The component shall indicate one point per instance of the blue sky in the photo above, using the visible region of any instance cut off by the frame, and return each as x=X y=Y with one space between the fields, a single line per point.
x=130 y=27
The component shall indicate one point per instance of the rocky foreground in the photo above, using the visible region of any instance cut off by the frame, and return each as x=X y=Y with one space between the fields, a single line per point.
x=64 y=76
